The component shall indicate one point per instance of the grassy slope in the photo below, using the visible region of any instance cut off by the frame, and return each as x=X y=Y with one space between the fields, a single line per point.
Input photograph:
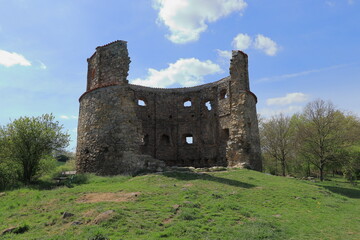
x=239 y=204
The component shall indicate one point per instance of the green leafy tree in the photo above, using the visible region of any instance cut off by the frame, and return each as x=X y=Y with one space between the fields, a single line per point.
x=8 y=173
x=277 y=139
x=28 y=141
x=351 y=166
x=324 y=131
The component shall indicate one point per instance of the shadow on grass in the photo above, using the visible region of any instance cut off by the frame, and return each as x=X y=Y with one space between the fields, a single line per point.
x=77 y=179
x=42 y=185
x=347 y=192
x=207 y=177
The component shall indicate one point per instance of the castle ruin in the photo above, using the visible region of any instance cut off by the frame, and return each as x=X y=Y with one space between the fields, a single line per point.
x=125 y=128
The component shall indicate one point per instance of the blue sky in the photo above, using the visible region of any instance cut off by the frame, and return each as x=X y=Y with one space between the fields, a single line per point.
x=299 y=50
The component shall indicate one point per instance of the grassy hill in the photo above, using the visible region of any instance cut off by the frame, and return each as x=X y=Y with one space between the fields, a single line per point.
x=236 y=204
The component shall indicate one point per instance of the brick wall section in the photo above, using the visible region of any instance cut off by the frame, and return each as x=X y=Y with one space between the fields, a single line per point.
x=116 y=135
x=108 y=65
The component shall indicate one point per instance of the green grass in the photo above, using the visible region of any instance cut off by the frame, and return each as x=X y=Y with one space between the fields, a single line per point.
x=237 y=204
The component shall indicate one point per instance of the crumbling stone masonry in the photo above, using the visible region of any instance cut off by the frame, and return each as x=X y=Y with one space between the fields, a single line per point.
x=125 y=128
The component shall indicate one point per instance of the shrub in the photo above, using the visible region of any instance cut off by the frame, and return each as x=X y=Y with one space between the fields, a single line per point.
x=8 y=175
x=27 y=142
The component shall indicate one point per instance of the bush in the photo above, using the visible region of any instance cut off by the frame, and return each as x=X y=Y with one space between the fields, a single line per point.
x=8 y=175
x=28 y=143
x=351 y=168
x=76 y=180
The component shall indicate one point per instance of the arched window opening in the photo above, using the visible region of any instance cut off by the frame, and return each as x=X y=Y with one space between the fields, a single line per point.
x=208 y=105
x=187 y=102
x=223 y=94
x=141 y=102
x=165 y=140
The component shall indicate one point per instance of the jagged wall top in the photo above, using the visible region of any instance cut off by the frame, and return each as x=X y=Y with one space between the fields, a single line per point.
x=109 y=65
x=238 y=69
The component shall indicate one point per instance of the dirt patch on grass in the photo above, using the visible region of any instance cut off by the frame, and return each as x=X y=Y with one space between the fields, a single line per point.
x=108 y=197
x=167 y=221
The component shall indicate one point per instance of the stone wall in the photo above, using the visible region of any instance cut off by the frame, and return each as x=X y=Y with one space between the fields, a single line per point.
x=126 y=128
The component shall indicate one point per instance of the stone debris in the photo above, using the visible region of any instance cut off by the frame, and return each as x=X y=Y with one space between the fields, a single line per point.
x=76 y=223
x=9 y=230
x=67 y=215
x=103 y=216
x=16 y=230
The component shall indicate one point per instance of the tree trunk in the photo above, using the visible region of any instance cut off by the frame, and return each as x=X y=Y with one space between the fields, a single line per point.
x=321 y=173
x=283 y=167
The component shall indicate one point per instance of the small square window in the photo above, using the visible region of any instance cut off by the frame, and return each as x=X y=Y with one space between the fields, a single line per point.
x=189 y=140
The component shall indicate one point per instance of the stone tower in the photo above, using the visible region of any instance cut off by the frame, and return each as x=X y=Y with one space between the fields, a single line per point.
x=125 y=128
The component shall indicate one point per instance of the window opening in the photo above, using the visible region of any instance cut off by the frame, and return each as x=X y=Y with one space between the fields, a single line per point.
x=223 y=94
x=188 y=139
x=187 y=103
x=208 y=105
x=141 y=103
x=165 y=139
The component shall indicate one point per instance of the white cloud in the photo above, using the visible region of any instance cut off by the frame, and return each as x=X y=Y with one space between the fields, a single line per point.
x=241 y=42
x=68 y=117
x=269 y=112
x=224 y=54
x=187 y=19
x=288 y=99
x=185 y=72
x=266 y=45
x=9 y=59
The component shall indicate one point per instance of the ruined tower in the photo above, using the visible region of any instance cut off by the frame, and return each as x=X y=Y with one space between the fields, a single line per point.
x=125 y=128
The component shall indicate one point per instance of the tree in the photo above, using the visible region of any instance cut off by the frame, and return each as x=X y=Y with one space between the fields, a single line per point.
x=323 y=132
x=26 y=141
x=277 y=139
